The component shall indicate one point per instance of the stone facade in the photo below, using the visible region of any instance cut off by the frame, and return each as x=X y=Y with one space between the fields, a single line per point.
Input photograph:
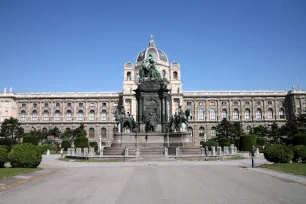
x=95 y=110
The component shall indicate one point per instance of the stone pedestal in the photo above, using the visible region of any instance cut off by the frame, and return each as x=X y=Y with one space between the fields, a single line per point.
x=166 y=152
x=213 y=151
x=152 y=99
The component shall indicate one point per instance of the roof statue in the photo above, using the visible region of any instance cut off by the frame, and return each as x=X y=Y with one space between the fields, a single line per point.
x=149 y=69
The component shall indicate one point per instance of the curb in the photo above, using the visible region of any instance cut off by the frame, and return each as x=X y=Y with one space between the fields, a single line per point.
x=18 y=183
x=287 y=177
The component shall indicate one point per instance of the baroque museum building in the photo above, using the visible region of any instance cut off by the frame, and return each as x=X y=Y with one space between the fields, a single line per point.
x=41 y=111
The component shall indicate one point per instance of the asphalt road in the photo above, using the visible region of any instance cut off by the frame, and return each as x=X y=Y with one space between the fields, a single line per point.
x=147 y=183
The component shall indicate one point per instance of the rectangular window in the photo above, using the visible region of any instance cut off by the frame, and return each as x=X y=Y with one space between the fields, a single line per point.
x=103 y=104
x=35 y=104
x=224 y=103
x=247 y=103
x=258 y=102
x=80 y=104
x=57 y=104
x=46 y=104
x=212 y=103
x=69 y=104
x=236 y=103
x=269 y=102
x=200 y=103
x=189 y=104
x=23 y=105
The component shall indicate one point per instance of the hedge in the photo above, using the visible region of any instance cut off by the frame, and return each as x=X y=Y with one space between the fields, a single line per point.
x=30 y=139
x=224 y=142
x=81 y=142
x=3 y=156
x=237 y=143
x=95 y=145
x=66 y=144
x=8 y=142
x=299 y=139
x=210 y=143
x=25 y=156
x=5 y=147
x=278 y=153
x=246 y=142
x=299 y=154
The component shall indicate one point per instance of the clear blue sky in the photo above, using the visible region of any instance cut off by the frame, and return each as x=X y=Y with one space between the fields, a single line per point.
x=61 y=45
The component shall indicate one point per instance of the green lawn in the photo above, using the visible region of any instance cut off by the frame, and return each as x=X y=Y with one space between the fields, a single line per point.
x=296 y=168
x=7 y=172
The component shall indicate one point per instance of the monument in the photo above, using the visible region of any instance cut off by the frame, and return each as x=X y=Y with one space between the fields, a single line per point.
x=152 y=128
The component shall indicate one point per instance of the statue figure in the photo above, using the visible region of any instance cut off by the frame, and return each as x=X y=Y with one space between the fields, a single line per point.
x=126 y=120
x=149 y=69
x=151 y=122
x=180 y=117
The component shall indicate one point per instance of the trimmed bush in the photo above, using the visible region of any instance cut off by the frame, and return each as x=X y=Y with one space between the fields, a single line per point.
x=237 y=143
x=3 y=156
x=260 y=141
x=43 y=148
x=299 y=139
x=95 y=145
x=30 y=139
x=299 y=154
x=25 y=156
x=66 y=144
x=224 y=142
x=246 y=142
x=210 y=143
x=278 y=153
x=81 y=142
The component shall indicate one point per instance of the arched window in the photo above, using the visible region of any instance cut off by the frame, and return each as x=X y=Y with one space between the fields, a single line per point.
x=248 y=129
x=129 y=76
x=23 y=116
x=80 y=115
x=91 y=133
x=247 y=114
x=212 y=114
x=103 y=132
x=270 y=113
x=258 y=114
x=224 y=114
x=69 y=115
x=46 y=115
x=175 y=75
x=236 y=114
x=34 y=115
x=104 y=115
x=201 y=114
x=213 y=132
x=201 y=132
x=57 y=115
x=164 y=74
x=281 y=113
x=45 y=130
x=190 y=130
x=92 y=115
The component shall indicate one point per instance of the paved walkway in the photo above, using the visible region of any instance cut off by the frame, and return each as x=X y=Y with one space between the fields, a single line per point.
x=155 y=182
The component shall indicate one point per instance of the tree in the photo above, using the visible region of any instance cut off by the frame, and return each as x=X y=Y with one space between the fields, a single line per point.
x=236 y=130
x=67 y=134
x=301 y=123
x=79 y=132
x=55 y=132
x=289 y=129
x=11 y=128
x=260 y=131
x=224 y=129
x=275 y=133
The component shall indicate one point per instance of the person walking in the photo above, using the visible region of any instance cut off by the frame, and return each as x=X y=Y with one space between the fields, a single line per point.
x=252 y=155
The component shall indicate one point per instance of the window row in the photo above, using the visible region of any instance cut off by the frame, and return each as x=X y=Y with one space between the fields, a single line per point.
x=235 y=103
x=58 y=104
x=247 y=114
x=57 y=115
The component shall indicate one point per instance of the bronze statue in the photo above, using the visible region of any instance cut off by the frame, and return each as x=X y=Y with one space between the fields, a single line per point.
x=176 y=120
x=126 y=120
x=149 y=69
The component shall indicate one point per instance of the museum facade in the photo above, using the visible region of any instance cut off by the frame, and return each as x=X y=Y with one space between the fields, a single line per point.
x=42 y=111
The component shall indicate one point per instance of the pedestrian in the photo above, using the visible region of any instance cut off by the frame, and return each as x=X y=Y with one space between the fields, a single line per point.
x=252 y=155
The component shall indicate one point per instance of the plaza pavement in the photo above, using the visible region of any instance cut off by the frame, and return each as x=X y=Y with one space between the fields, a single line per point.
x=155 y=182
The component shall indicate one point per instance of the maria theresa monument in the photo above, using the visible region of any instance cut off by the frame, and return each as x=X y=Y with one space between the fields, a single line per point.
x=151 y=101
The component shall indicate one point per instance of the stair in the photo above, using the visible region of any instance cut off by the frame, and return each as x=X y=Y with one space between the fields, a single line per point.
x=151 y=151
